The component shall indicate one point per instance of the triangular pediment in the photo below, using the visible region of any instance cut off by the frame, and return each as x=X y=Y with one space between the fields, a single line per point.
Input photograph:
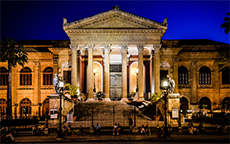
x=115 y=23
x=115 y=19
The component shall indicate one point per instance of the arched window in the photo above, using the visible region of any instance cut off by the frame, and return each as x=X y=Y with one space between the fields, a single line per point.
x=3 y=106
x=48 y=76
x=182 y=75
x=26 y=76
x=183 y=104
x=225 y=76
x=204 y=75
x=45 y=107
x=205 y=103
x=3 y=76
x=226 y=103
x=25 y=107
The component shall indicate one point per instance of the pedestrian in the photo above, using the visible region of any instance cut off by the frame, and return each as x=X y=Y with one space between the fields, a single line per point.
x=97 y=129
x=147 y=130
x=130 y=123
x=142 y=130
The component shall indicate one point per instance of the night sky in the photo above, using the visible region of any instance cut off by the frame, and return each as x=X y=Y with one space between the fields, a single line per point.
x=43 y=19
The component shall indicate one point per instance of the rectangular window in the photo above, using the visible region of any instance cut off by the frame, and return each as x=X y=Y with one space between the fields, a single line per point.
x=67 y=76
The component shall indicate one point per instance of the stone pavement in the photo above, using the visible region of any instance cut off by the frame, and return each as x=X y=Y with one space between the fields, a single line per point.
x=51 y=138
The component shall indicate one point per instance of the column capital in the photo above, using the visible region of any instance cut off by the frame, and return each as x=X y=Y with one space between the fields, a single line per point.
x=73 y=47
x=90 y=46
x=107 y=47
x=36 y=63
x=156 y=47
x=124 y=47
x=55 y=60
x=194 y=64
x=140 y=47
x=175 y=60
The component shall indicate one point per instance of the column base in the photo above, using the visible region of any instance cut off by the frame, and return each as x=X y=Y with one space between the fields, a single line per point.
x=107 y=99
x=140 y=99
x=124 y=100
x=90 y=99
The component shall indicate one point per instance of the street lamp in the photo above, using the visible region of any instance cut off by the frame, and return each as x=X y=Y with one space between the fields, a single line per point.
x=94 y=73
x=136 y=71
x=60 y=91
x=165 y=90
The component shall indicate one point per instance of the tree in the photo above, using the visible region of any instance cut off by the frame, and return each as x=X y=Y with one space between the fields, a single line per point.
x=225 y=61
x=73 y=90
x=14 y=55
x=226 y=24
x=157 y=98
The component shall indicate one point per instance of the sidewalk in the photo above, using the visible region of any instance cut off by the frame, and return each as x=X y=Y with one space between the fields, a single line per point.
x=135 y=137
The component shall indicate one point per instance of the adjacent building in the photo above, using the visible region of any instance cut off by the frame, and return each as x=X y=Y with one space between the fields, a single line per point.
x=117 y=52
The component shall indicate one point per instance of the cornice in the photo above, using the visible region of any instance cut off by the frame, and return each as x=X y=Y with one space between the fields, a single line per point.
x=113 y=13
x=56 y=50
x=115 y=31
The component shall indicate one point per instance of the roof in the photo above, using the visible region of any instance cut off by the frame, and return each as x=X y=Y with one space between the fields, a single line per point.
x=115 y=11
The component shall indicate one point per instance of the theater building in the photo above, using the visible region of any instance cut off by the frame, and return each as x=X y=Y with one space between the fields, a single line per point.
x=117 y=52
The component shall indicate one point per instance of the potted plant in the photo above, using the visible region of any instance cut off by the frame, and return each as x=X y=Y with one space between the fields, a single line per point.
x=100 y=95
x=74 y=134
x=131 y=96
x=73 y=91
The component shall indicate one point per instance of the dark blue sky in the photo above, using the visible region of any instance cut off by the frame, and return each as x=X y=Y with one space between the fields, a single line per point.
x=43 y=19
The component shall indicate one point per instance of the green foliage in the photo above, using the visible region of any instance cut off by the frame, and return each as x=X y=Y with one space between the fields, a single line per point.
x=12 y=53
x=131 y=95
x=225 y=62
x=156 y=97
x=76 y=131
x=226 y=24
x=100 y=95
x=73 y=90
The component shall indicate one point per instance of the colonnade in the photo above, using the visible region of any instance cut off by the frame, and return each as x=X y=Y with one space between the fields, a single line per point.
x=75 y=76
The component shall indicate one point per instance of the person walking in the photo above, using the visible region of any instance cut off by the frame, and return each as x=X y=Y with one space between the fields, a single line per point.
x=130 y=123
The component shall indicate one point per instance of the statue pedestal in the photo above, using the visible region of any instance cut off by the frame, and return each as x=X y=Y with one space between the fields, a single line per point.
x=54 y=105
x=174 y=108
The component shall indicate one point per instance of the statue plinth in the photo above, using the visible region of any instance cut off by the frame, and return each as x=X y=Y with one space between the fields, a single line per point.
x=173 y=101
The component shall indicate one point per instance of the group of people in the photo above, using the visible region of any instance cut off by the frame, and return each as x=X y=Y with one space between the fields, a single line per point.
x=37 y=130
x=145 y=130
x=191 y=129
x=7 y=135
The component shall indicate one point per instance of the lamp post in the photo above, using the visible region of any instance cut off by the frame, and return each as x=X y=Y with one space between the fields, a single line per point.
x=94 y=73
x=165 y=86
x=136 y=71
x=60 y=91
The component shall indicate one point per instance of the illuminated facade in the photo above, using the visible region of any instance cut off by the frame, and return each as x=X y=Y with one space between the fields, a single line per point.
x=115 y=44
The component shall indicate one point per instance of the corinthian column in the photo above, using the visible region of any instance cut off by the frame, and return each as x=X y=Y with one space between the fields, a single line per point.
x=90 y=73
x=107 y=71
x=124 y=49
x=152 y=74
x=74 y=65
x=78 y=69
x=140 y=48
x=157 y=67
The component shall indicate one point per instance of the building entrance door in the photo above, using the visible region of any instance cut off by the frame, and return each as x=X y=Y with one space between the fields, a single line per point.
x=115 y=82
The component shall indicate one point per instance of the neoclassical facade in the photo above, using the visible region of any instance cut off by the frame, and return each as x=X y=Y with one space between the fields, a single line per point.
x=118 y=53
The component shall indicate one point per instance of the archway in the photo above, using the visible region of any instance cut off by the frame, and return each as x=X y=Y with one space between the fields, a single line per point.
x=226 y=103
x=183 y=104
x=3 y=106
x=25 y=107
x=45 y=107
x=205 y=103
